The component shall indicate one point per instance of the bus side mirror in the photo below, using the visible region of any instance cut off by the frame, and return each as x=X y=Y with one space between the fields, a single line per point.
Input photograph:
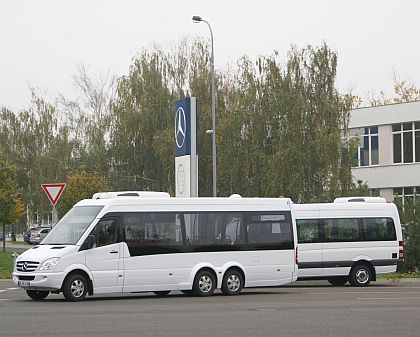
x=89 y=242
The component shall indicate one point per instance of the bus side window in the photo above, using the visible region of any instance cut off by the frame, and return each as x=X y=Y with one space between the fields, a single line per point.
x=379 y=229
x=308 y=231
x=105 y=232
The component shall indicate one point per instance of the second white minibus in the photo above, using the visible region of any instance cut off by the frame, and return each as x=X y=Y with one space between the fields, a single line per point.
x=352 y=239
x=135 y=242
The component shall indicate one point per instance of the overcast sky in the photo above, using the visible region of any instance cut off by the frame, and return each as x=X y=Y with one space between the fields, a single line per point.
x=43 y=41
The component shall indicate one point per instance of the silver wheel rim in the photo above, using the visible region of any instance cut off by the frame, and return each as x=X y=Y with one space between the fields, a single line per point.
x=77 y=288
x=362 y=276
x=233 y=283
x=205 y=283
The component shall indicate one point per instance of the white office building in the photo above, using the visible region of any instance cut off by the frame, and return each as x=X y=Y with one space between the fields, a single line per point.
x=389 y=149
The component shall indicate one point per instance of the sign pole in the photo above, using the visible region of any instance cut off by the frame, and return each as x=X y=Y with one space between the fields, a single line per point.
x=54 y=216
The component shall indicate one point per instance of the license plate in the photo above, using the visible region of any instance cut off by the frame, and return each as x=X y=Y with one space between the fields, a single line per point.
x=24 y=283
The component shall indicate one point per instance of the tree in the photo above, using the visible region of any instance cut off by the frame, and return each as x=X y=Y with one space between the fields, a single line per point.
x=80 y=185
x=40 y=146
x=281 y=128
x=11 y=209
x=141 y=140
x=278 y=127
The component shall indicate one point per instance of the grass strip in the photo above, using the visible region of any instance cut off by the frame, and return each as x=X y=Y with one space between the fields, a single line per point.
x=6 y=265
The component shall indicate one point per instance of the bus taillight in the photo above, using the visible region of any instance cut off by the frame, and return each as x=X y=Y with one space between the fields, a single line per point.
x=401 y=251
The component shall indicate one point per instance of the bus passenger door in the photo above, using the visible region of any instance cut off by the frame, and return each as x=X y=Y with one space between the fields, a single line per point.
x=104 y=260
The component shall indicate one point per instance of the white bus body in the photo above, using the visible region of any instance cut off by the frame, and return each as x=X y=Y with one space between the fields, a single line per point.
x=136 y=244
x=352 y=239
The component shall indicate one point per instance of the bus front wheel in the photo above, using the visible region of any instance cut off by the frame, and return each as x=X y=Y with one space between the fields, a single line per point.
x=75 y=288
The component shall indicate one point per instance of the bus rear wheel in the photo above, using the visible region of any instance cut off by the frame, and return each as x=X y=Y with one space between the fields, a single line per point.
x=232 y=283
x=360 y=275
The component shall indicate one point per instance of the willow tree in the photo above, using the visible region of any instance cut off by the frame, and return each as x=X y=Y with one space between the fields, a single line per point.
x=284 y=125
x=141 y=112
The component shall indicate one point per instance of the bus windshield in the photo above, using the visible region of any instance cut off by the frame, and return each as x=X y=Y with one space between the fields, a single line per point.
x=72 y=226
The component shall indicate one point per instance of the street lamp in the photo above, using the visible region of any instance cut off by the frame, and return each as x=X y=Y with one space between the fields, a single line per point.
x=198 y=19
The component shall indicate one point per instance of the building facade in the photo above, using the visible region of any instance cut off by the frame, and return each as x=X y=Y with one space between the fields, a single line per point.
x=388 y=156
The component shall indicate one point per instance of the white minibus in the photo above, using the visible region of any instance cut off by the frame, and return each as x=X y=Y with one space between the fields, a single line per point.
x=132 y=242
x=352 y=239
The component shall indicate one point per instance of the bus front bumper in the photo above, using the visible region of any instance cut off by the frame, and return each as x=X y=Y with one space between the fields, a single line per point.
x=38 y=281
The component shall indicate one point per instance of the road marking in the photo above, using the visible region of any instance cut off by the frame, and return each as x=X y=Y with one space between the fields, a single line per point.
x=388 y=298
x=7 y=289
x=364 y=292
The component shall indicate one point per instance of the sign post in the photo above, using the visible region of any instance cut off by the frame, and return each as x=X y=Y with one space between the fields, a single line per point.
x=186 y=144
x=53 y=192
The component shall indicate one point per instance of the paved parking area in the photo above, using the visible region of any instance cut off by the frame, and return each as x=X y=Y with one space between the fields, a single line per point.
x=302 y=309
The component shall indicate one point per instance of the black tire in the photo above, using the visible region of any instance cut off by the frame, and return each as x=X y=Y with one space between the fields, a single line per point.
x=204 y=283
x=162 y=293
x=360 y=275
x=338 y=281
x=37 y=295
x=233 y=282
x=75 y=288
x=187 y=292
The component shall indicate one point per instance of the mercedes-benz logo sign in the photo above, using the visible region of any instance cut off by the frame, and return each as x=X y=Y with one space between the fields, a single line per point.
x=25 y=266
x=180 y=127
x=180 y=175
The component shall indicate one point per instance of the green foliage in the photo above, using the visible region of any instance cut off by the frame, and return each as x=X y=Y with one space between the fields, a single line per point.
x=141 y=141
x=41 y=150
x=80 y=185
x=280 y=132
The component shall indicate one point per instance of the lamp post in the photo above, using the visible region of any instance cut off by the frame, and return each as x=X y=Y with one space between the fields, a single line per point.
x=198 y=19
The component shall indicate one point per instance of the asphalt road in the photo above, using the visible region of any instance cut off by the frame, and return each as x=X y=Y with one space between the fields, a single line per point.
x=302 y=309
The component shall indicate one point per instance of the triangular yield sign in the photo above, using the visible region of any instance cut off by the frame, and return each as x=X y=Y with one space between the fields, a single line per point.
x=53 y=191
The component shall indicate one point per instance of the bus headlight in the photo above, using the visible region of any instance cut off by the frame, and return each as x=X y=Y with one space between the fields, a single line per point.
x=49 y=263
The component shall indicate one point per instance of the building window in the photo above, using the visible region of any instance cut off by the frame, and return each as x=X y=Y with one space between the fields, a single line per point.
x=406 y=195
x=368 y=145
x=406 y=142
x=369 y=148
